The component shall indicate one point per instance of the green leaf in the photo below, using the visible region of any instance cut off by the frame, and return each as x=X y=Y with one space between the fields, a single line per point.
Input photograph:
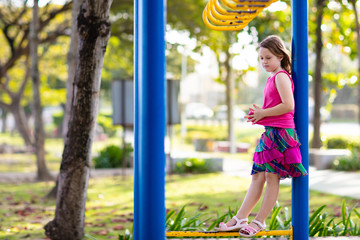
x=273 y=222
x=315 y=214
x=177 y=222
x=357 y=213
x=169 y=215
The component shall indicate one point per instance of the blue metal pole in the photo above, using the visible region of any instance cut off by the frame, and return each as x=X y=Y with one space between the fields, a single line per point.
x=149 y=222
x=136 y=122
x=300 y=186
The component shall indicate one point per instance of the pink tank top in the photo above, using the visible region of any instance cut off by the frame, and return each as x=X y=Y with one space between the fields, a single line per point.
x=271 y=99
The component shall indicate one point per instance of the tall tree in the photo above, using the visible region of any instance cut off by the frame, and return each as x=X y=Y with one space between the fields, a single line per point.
x=94 y=32
x=357 y=30
x=320 y=4
x=15 y=27
x=4 y=120
x=42 y=171
x=71 y=62
x=221 y=45
x=357 y=24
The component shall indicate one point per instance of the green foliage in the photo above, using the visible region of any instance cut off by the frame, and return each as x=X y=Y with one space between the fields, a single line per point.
x=105 y=121
x=337 y=143
x=196 y=165
x=319 y=224
x=280 y=220
x=179 y=221
x=341 y=143
x=111 y=157
x=347 y=163
x=58 y=118
x=205 y=132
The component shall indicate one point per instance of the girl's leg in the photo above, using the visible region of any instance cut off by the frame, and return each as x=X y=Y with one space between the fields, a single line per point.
x=252 y=197
x=270 y=197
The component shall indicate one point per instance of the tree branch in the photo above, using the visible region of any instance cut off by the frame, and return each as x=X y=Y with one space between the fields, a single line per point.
x=25 y=79
x=6 y=88
x=20 y=50
x=53 y=14
x=4 y=106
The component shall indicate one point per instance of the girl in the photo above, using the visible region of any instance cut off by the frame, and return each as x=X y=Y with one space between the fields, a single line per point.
x=277 y=155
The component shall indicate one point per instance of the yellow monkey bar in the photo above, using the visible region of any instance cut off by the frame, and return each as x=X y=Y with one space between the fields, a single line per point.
x=228 y=234
x=194 y=234
x=232 y=15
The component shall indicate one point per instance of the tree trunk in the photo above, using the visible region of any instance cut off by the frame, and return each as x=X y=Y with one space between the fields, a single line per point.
x=317 y=78
x=17 y=110
x=94 y=32
x=353 y=2
x=71 y=62
x=20 y=120
x=43 y=173
x=230 y=102
x=229 y=81
x=53 y=192
x=4 y=120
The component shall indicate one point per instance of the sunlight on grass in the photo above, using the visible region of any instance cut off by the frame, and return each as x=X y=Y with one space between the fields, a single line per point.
x=26 y=162
x=109 y=208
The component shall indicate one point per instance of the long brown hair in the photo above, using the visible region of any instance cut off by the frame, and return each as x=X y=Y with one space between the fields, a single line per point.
x=277 y=47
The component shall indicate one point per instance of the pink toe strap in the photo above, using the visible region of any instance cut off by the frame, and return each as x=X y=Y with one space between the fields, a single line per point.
x=222 y=224
x=248 y=229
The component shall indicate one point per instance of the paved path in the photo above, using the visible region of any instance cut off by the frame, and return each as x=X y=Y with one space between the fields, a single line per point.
x=327 y=181
x=31 y=177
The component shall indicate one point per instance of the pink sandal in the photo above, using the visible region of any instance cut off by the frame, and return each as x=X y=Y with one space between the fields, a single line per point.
x=224 y=228
x=249 y=231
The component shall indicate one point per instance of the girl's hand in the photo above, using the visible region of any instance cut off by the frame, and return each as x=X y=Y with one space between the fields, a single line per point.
x=256 y=114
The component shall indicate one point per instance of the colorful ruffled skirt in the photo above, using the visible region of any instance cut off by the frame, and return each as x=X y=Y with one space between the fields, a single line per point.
x=278 y=152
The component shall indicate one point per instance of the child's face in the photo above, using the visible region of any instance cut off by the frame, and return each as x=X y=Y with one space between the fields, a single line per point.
x=269 y=61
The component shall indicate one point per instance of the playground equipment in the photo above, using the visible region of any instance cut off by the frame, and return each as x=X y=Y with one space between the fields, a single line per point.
x=228 y=234
x=228 y=15
x=149 y=154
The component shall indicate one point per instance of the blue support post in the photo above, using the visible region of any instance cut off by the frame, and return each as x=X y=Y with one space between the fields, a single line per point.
x=300 y=186
x=136 y=120
x=149 y=192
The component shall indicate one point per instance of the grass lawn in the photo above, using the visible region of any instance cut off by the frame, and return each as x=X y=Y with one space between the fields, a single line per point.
x=109 y=209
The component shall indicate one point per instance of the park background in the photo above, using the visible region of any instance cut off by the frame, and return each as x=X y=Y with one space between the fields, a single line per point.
x=216 y=70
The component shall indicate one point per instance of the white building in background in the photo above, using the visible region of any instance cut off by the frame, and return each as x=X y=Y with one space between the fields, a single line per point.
x=200 y=86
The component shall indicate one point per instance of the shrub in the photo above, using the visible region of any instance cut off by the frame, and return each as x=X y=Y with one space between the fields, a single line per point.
x=196 y=165
x=205 y=132
x=347 y=163
x=337 y=143
x=319 y=223
x=342 y=143
x=111 y=157
x=58 y=118
x=106 y=123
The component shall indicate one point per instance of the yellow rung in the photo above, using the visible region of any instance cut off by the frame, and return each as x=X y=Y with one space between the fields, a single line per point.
x=213 y=5
x=224 y=11
x=224 y=22
x=246 y=6
x=237 y=15
x=220 y=28
x=227 y=234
